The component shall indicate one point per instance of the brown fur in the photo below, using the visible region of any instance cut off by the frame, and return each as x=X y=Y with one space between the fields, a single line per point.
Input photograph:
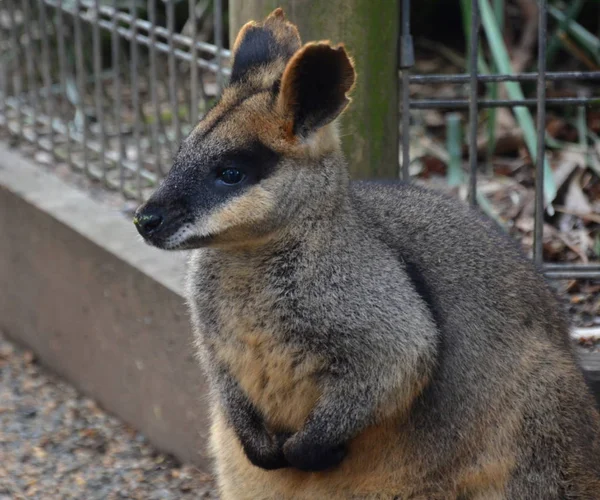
x=281 y=388
x=362 y=340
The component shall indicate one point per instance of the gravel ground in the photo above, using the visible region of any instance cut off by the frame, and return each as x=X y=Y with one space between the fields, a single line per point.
x=56 y=444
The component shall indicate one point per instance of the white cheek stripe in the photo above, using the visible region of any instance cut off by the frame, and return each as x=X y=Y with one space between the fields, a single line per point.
x=180 y=236
x=201 y=230
x=220 y=219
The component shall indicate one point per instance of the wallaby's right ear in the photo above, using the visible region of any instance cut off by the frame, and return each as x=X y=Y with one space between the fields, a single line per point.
x=314 y=86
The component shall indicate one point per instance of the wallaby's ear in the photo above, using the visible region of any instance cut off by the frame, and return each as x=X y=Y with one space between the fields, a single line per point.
x=264 y=47
x=314 y=86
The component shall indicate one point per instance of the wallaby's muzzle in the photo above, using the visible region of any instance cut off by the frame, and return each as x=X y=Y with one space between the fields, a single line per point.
x=166 y=224
x=155 y=224
x=147 y=222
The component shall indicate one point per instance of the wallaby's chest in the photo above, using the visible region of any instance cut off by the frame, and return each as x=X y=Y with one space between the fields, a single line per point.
x=247 y=336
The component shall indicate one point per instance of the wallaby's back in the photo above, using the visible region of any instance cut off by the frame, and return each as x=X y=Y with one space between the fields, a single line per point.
x=506 y=361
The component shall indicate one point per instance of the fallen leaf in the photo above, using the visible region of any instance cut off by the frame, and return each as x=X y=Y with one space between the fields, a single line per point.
x=575 y=199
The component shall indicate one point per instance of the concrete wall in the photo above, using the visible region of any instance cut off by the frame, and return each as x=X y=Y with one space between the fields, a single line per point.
x=99 y=307
x=104 y=310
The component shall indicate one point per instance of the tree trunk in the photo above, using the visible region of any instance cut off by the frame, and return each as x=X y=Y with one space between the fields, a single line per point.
x=369 y=30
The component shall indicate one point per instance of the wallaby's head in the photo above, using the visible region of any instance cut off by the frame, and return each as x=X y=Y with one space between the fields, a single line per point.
x=265 y=152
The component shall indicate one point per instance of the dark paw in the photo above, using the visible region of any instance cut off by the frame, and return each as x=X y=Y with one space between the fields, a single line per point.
x=313 y=458
x=268 y=455
x=281 y=438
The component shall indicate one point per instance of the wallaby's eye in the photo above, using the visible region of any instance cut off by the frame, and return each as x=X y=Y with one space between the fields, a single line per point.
x=231 y=176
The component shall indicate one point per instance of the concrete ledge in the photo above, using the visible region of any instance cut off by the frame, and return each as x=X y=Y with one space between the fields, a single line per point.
x=99 y=307
x=104 y=310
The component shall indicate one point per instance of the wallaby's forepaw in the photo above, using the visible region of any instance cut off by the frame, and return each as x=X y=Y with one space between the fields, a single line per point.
x=267 y=453
x=309 y=457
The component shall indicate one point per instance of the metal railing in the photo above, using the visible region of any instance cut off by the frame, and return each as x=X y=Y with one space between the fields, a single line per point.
x=110 y=93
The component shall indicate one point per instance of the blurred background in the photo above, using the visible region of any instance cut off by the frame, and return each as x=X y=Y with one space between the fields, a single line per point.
x=496 y=102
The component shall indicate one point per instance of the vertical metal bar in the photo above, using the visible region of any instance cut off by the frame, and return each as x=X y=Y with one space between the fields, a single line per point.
x=538 y=231
x=493 y=93
x=407 y=60
x=218 y=16
x=62 y=63
x=473 y=107
x=98 y=87
x=31 y=74
x=156 y=149
x=116 y=73
x=193 y=66
x=172 y=71
x=16 y=77
x=47 y=75
x=135 y=96
x=80 y=75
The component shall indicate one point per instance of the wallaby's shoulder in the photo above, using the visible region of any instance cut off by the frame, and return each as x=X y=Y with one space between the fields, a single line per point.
x=421 y=208
x=431 y=222
x=465 y=261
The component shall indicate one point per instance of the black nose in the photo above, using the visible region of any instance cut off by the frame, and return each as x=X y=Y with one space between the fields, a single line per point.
x=147 y=221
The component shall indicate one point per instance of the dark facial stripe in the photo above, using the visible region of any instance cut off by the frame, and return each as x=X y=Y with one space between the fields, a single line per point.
x=191 y=188
x=256 y=159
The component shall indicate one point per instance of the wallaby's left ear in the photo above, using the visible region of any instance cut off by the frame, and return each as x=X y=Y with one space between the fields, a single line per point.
x=314 y=86
x=261 y=50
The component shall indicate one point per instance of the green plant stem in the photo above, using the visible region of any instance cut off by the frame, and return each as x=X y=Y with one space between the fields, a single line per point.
x=514 y=91
x=454 y=175
x=582 y=132
x=554 y=43
x=586 y=39
x=493 y=89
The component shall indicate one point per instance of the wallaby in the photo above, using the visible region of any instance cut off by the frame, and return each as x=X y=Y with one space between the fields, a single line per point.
x=362 y=339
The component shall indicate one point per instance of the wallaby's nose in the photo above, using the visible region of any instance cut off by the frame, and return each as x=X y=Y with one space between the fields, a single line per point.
x=147 y=221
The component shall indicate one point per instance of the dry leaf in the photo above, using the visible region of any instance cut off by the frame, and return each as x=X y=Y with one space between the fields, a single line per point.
x=575 y=198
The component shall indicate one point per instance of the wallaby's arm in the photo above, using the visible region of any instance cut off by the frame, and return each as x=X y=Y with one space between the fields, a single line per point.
x=366 y=388
x=262 y=448
x=353 y=397
x=342 y=412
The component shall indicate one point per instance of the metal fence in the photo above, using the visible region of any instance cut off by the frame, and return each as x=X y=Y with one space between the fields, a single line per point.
x=474 y=103
x=112 y=94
